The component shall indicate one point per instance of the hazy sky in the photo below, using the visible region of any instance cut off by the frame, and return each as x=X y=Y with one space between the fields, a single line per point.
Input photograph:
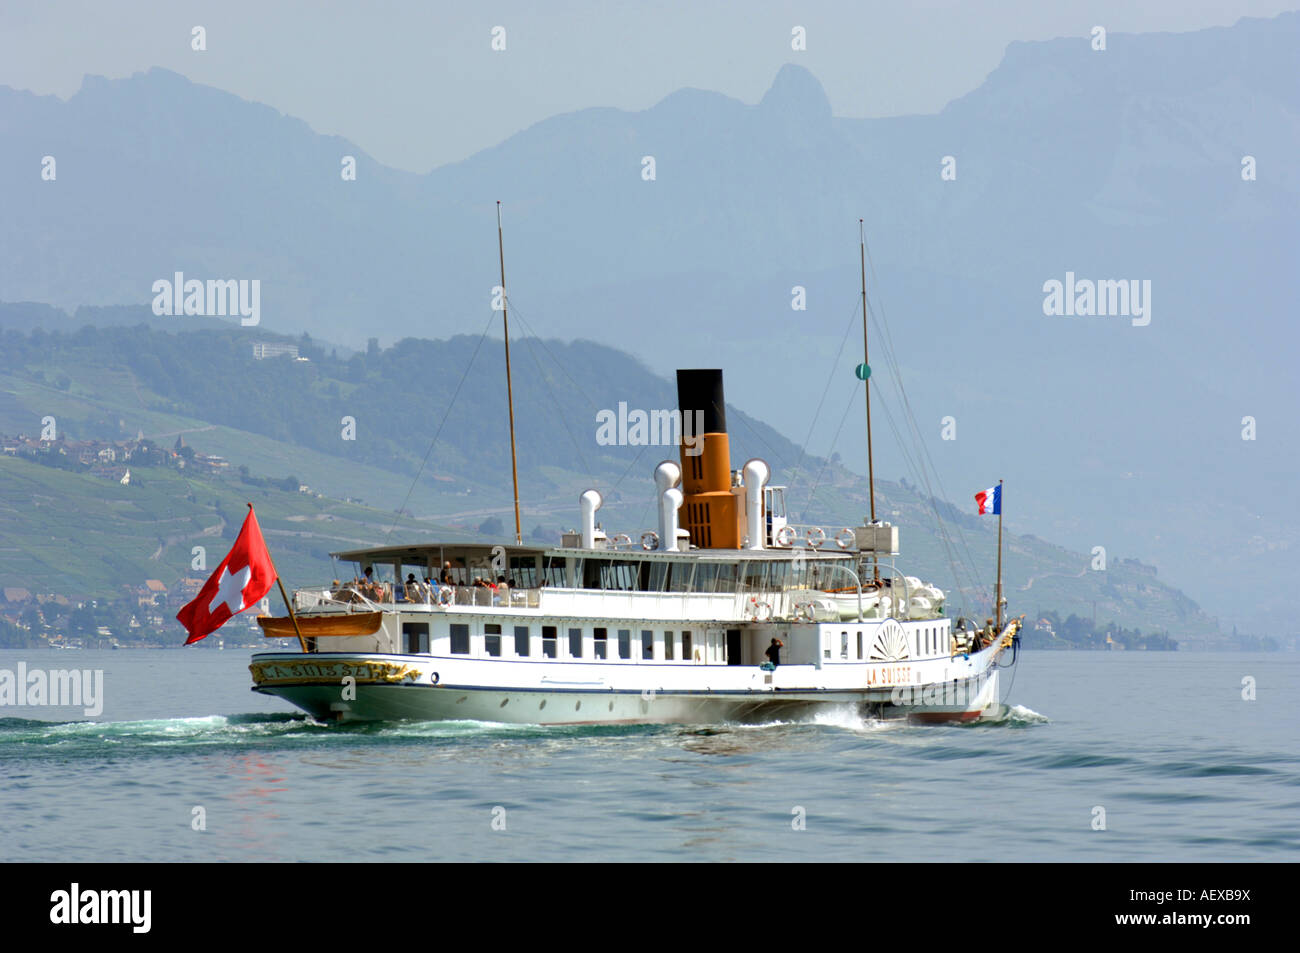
x=418 y=85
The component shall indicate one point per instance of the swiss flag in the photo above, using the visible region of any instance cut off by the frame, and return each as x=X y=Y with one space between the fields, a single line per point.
x=242 y=579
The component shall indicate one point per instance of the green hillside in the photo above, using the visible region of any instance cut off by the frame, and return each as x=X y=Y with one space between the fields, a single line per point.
x=85 y=537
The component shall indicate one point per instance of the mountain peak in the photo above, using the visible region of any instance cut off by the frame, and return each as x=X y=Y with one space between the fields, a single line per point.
x=796 y=92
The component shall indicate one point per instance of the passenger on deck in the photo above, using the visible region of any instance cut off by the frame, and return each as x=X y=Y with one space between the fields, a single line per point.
x=988 y=634
x=773 y=652
x=446 y=577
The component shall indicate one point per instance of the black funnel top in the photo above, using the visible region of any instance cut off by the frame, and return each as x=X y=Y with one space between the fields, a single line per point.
x=702 y=390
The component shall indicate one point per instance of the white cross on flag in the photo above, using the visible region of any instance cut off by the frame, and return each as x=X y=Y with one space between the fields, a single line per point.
x=242 y=579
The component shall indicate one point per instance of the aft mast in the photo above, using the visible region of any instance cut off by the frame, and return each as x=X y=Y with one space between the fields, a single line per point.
x=510 y=394
x=864 y=373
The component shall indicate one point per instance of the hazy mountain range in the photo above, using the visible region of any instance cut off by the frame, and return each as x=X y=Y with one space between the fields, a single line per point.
x=1125 y=164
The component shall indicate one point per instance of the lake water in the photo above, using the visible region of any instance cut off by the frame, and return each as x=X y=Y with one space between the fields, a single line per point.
x=1184 y=768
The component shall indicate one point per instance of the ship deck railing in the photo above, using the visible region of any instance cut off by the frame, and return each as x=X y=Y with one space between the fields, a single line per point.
x=757 y=604
x=357 y=598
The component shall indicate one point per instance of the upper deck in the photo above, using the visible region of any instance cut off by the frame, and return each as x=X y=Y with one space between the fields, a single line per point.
x=613 y=581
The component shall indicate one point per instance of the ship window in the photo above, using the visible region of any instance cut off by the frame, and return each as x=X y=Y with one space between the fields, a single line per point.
x=459 y=638
x=492 y=639
x=680 y=580
x=669 y=639
x=521 y=641
x=844 y=645
x=416 y=635
x=799 y=573
x=575 y=643
x=686 y=645
x=555 y=575
x=658 y=577
x=548 y=641
x=647 y=644
x=755 y=572
x=706 y=577
x=859 y=645
x=617 y=574
x=726 y=581
x=600 y=639
x=778 y=576
x=624 y=643
x=523 y=571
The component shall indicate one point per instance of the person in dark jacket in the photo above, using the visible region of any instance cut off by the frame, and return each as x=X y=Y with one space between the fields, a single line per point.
x=773 y=652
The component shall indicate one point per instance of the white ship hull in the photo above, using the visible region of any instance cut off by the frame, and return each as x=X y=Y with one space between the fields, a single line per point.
x=421 y=688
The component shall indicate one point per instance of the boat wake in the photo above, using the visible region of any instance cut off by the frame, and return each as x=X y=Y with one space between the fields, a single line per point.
x=851 y=718
x=29 y=734
x=26 y=737
x=1013 y=716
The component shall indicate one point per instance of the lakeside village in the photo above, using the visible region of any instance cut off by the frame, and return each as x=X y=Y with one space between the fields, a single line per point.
x=143 y=616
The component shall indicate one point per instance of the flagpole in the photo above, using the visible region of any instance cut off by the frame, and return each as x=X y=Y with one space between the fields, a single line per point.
x=284 y=595
x=998 y=614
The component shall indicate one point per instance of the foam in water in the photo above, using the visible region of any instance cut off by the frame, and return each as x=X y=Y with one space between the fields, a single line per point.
x=847 y=716
x=1015 y=715
x=851 y=718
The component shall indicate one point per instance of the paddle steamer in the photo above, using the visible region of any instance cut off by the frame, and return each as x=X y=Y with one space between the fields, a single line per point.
x=726 y=611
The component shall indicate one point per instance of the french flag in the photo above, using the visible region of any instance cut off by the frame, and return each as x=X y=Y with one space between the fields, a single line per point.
x=989 y=501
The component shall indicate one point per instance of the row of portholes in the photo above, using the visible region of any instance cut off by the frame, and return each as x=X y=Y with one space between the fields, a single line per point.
x=577 y=706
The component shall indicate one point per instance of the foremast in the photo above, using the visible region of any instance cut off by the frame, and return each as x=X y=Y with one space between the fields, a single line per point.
x=864 y=373
x=510 y=393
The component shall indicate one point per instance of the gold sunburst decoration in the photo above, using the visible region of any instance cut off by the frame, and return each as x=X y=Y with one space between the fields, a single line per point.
x=890 y=643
